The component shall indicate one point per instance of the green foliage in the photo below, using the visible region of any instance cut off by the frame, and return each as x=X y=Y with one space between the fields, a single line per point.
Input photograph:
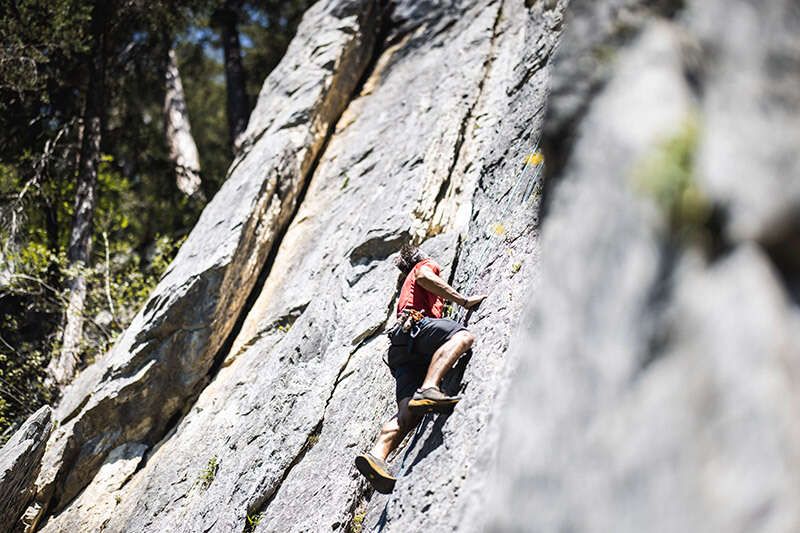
x=31 y=306
x=516 y=267
x=206 y=477
x=252 y=522
x=23 y=387
x=265 y=30
x=32 y=299
x=119 y=288
x=36 y=37
x=204 y=83
x=668 y=177
x=449 y=310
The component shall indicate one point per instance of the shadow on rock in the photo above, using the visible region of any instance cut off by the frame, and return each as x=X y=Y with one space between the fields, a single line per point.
x=451 y=385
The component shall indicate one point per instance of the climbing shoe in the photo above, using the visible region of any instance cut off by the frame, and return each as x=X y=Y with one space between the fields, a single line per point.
x=432 y=399
x=376 y=472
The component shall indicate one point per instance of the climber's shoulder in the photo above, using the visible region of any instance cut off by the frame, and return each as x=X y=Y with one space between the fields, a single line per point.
x=427 y=267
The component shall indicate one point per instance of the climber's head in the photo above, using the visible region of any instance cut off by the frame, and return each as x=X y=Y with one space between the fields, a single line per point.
x=409 y=256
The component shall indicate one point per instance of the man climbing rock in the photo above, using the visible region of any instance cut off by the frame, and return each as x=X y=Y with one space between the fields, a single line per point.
x=424 y=346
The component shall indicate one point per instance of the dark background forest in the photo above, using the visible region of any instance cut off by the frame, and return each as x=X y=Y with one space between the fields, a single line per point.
x=118 y=121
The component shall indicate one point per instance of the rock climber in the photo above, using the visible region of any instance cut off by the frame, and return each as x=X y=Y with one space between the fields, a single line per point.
x=424 y=346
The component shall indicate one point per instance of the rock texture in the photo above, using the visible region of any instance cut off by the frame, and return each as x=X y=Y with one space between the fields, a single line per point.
x=651 y=385
x=304 y=388
x=19 y=465
x=657 y=384
x=165 y=356
x=92 y=509
x=445 y=465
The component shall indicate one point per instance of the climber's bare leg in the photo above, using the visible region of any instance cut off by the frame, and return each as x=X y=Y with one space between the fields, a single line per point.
x=394 y=430
x=446 y=356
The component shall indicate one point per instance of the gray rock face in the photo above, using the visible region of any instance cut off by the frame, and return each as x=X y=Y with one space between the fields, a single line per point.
x=304 y=388
x=165 y=355
x=91 y=510
x=19 y=465
x=445 y=465
x=751 y=115
x=656 y=389
x=422 y=152
x=651 y=385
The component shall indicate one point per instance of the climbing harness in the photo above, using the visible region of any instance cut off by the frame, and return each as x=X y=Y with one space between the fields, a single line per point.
x=410 y=319
x=409 y=323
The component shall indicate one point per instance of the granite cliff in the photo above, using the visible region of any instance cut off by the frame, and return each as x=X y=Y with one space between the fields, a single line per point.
x=618 y=175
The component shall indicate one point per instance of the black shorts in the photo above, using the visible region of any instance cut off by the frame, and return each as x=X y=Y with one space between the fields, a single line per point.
x=409 y=366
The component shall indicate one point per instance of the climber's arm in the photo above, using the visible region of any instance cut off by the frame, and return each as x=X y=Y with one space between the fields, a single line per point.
x=431 y=282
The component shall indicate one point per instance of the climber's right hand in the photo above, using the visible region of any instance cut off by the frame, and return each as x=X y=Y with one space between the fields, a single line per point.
x=471 y=302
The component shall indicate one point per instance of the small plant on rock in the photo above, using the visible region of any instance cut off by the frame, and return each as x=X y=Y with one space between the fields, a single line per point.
x=358 y=522
x=668 y=176
x=209 y=473
x=448 y=311
x=252 y=522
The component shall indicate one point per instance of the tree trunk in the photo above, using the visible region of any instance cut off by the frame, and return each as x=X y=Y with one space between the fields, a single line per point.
x=238 y=109
x=62 y=369
x=182 y=148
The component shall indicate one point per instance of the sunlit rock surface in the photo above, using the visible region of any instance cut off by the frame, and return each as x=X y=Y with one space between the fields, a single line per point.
x=617 y=175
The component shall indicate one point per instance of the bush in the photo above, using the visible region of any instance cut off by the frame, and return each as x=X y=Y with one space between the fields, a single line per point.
x=668 y=177
x=33 y=303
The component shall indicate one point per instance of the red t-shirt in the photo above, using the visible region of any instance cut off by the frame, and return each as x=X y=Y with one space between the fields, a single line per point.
x=413 y=296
